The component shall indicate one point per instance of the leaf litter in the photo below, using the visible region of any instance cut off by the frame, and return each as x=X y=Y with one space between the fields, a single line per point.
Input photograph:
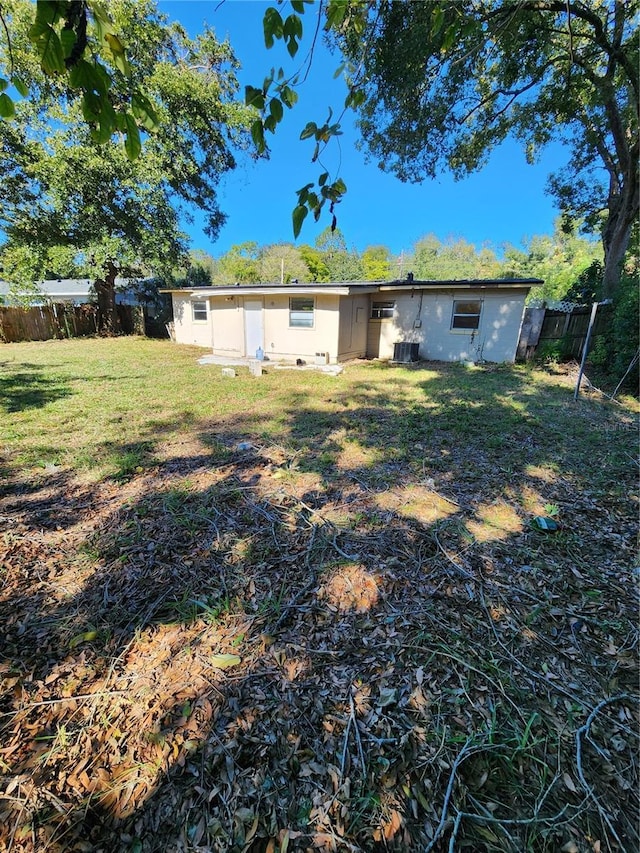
x=246 y=656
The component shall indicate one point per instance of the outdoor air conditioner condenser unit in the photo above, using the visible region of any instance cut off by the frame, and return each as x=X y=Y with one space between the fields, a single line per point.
x=405 y=352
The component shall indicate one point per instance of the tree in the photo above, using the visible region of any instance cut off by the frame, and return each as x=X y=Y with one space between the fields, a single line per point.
x=453 y=259
x=376 y=263
x=24 y=267
x=283 y=263
x=241 y=265
x=439 y=85
x=318 y=269
x=61 y=34
x=343 y=264
x=559 y=260
x=121 y=216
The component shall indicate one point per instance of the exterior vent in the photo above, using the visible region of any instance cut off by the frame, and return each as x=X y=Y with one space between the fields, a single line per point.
x=405 y=352
x=322 y=358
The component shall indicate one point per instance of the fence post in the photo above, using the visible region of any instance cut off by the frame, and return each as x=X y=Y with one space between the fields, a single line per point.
x=585 y=349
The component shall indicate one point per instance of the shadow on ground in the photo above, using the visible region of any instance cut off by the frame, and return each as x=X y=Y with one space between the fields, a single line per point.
x=348 y=639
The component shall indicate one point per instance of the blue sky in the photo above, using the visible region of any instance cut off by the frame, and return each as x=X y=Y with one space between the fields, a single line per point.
x=504 y=203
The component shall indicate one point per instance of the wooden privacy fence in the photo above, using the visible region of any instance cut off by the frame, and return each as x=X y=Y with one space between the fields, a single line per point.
x=561 y=332
x=62 y=320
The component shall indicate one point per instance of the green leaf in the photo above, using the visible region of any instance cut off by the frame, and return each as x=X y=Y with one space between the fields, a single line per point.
x=322 y=180
x=309 y=130
x=3 y=84
x=144 y=111
x=438 y=20
x=225 y=661
x=450 y=37
x=257 y=134
x=355 y=98
x=292 y=46
x=272 y=26
x=48 y=12
x=83 y=76
x=299 y=214
x=132 y=144
x=7 y=109
x=254 y=97
x=67 y=41
x=115 y=45
x=335 y=15
x=86 y=637
x=103 y=132
x=118 y=54
x=90 y=106
x=21 y=86
x=46 y=40
x=289 y=96
x=100 y=14
x=292 y=27
x=276 y=109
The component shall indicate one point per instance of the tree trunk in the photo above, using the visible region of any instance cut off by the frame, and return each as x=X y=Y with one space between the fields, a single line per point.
x=623 y=207
x=614 y=253
x=108 y=323
x=616 y=235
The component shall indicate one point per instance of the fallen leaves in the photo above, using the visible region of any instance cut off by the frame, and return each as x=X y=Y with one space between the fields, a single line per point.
x=201 y=661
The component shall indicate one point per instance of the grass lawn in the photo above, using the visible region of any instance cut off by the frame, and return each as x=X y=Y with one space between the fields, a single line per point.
x=313 y=613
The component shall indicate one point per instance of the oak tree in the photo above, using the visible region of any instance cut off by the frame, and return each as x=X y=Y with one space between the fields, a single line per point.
x=68 y=185
x=440 y=85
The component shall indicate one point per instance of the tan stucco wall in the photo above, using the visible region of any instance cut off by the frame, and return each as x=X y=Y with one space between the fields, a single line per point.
x=280 y=342
x=187 y=330
x=343 y=330
x=495 y=340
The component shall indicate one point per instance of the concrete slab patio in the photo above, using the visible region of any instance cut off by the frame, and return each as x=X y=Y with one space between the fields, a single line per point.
x=228 y=361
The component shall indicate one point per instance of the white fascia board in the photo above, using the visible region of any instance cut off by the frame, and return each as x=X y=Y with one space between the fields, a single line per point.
x=448 y=286
x=276 y=290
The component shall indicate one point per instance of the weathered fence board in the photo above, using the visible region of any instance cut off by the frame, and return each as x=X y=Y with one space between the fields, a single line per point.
x=61 y=320
x=542 y=327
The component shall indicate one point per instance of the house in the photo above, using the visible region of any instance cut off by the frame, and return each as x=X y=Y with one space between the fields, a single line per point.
x=75 y=291
x=403 y=320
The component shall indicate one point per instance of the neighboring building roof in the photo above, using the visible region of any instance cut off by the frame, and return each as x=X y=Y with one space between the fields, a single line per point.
x=345 y=288
x=68 y=290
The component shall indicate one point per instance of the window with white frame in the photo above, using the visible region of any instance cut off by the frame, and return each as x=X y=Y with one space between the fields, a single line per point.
x=466 y=314
x=382 y=310
x=199 y=311
x=301 y=311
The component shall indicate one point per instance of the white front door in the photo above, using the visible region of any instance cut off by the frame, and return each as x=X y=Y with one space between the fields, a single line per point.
x=253 y=328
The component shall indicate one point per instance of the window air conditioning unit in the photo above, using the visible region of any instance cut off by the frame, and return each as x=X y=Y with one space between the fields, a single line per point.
x=405 y=352
x=322 y=358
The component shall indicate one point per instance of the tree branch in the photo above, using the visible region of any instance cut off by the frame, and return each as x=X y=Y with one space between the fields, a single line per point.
x=584 y=731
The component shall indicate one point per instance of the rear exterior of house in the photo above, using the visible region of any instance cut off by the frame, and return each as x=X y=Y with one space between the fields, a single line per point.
x=329 y=323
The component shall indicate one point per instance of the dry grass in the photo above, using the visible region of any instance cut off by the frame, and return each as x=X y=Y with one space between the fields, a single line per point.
x=345 y=636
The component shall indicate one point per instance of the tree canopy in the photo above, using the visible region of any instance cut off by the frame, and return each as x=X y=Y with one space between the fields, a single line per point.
x=440 y=85
x=436 y=86
x=120 y=215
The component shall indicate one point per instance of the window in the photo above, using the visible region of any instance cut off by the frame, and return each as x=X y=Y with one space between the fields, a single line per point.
x=301 y=312
x=466 y=314
x=199 y=311
x=382 y=310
